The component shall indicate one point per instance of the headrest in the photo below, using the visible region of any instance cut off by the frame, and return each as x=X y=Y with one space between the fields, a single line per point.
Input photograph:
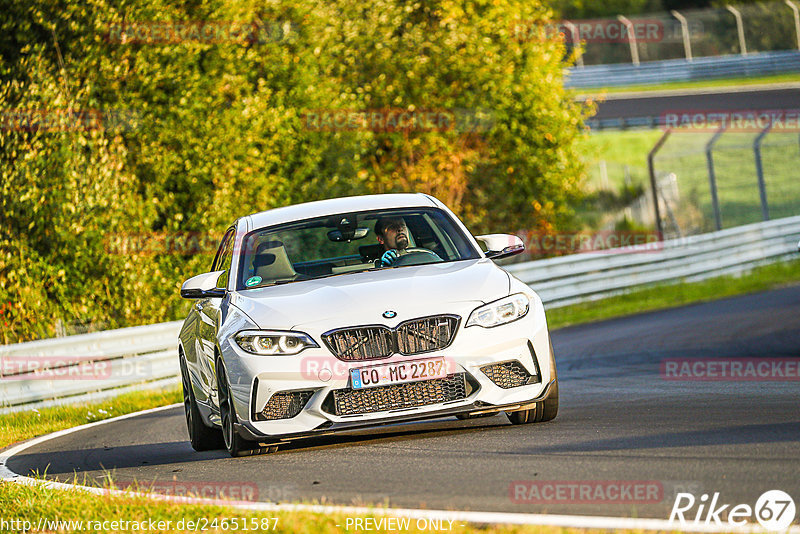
x=271 y=262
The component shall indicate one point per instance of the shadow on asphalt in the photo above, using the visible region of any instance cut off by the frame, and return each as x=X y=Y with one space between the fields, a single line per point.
x=730 y=435
x=66 y=461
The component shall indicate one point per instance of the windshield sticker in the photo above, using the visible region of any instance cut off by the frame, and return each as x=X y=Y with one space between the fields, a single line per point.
x=253 y=281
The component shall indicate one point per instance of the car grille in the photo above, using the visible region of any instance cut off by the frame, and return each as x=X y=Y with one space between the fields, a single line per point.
x=377 y=342
x=426 y=334
x=365 y=343
x=509 y=374
x=284 y=405
x=408 y=395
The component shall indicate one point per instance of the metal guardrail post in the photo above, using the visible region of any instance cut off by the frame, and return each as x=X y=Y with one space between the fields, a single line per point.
x=631 y=38
x=739 y=29
x=796 y=12
x=762 y=188
x=712 y=179
x=687 y=43
x=576 y=41
x=653 y=185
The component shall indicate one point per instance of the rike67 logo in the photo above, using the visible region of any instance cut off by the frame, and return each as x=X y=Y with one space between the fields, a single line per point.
x=774 y=510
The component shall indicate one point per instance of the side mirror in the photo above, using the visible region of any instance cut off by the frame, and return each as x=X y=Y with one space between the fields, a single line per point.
x=202 y=286
x=501 y=245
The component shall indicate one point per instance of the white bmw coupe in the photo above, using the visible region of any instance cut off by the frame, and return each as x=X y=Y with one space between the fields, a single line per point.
x=356 y=312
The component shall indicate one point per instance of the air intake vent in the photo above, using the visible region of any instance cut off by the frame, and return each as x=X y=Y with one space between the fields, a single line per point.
x=409 y=395
x=509 y=375
x=284 y=405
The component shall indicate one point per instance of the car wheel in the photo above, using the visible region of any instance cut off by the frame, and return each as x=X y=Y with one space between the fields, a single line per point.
x=237 y=446
x=201 y=437
x=545 y=410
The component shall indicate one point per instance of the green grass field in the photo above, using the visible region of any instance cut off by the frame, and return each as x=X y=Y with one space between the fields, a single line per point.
x=683 y=154
x=32 y=507
x=619 y=149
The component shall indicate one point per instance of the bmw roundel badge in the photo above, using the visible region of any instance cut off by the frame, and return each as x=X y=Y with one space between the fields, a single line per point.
x=389 y=314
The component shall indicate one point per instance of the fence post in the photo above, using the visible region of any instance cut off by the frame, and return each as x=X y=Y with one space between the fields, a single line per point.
x=576 y=41
x=762 y=188
x=687 y=44
x=712 y=179
x=631 y=38
x=796 y=20
x=739 y=29
x=651 y=167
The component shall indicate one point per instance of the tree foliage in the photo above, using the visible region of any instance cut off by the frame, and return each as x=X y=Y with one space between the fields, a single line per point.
x=217 y=130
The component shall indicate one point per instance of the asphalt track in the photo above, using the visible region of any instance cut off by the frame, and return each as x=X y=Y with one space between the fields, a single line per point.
x=620 y=420
x=646 y=104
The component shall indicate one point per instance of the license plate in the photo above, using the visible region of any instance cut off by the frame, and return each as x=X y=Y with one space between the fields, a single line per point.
x=398 y=373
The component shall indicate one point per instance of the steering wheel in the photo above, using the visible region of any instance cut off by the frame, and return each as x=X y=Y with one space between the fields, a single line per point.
x=416 y=256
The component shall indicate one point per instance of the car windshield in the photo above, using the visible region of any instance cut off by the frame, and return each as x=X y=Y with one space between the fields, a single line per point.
x=349 y=243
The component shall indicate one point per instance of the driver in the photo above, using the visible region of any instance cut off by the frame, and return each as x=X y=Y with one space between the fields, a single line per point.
x=392 y=233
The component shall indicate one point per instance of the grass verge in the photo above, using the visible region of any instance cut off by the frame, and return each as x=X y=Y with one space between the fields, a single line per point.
x=669 y=296
x=33 y=509
x=18 y=426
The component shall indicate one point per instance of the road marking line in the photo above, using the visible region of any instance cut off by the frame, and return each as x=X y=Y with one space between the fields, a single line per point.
x=575 y=521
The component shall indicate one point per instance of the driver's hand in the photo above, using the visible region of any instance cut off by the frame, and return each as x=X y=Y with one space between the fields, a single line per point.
x=389 y=257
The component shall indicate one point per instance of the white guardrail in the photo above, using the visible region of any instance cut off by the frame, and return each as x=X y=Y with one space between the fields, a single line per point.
x=102 y=364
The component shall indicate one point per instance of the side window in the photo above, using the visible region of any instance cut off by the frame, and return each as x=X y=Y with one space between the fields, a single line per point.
x=222 y=262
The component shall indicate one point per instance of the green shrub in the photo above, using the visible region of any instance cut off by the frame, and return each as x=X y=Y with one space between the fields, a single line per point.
x=219 y=130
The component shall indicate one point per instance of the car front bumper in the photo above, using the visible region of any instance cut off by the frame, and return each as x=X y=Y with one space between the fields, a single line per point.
x=318 y=373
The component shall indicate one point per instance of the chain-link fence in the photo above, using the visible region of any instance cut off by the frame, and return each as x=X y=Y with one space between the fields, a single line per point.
x=710 y=181
x=738 y=29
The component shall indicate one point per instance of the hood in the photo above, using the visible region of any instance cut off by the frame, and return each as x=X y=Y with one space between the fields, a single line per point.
x=361 y=298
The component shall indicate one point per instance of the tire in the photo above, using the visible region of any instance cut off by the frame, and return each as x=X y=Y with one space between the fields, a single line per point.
x=542 y=411
x=236 y=445
x=201 y=437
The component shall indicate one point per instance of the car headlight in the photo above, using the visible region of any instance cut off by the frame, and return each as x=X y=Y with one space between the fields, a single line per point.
x=501 y=311
x=273 y=343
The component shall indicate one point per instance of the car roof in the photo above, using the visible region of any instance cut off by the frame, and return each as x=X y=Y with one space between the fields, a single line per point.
x=322 y=208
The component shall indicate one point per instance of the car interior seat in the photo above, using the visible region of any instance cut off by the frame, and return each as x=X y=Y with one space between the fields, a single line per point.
x=272 y=263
